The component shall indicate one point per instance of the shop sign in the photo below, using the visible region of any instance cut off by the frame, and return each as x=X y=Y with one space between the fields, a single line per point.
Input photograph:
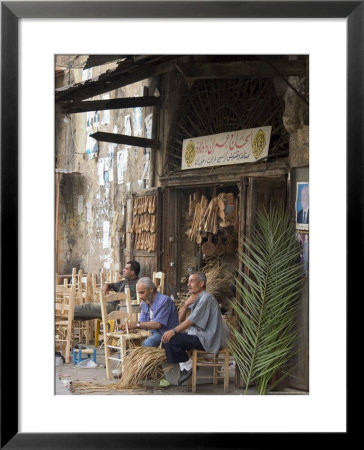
x=233 y=147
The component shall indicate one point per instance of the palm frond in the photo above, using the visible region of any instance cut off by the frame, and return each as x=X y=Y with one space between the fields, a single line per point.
x=270 y=286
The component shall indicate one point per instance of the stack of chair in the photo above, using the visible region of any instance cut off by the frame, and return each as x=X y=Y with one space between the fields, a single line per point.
x=83 y=329
x=64 y=311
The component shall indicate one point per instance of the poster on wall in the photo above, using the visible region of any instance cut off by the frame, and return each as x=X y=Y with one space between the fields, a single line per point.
x=100 y=171
x=109 y=165
x=138 y=121
x=127 y=125
x=302 y=206
x=92 y=147
x=106 y=113
x=121 y=164
x=233 y=147
x=148 y=122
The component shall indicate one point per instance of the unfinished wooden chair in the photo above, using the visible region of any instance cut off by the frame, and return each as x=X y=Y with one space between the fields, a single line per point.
x=83 y=330
x=97 y=288
x=64 y=311
x=219 y=362
x=116 y=341
x=158 y=280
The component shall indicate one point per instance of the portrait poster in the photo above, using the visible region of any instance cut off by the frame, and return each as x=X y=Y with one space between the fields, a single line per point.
x=302 y=206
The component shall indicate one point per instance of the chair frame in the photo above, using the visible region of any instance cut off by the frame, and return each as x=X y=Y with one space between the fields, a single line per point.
x=67 y=303
x=211 y=360
x=159 y=284
x=123 y=337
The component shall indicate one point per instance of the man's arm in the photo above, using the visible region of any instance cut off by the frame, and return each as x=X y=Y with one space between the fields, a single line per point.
x=105 y=288
x=117 y=287
x=151 y=325
x=181 y=327
x=184 y=308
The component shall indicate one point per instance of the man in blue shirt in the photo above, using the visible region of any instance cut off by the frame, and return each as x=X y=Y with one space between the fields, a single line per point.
x=158 y=312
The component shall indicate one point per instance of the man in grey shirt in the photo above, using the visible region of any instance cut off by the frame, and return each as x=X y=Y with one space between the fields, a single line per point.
x=89 y=311
x=204 y=327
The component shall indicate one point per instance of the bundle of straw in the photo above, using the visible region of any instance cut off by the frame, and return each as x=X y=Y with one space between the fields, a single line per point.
x=141 y=364
x=218 y=280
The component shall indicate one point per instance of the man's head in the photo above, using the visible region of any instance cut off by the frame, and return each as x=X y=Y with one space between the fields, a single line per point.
x=304 y=197
x=196 y=282
x=131 y=270
x=146 y=290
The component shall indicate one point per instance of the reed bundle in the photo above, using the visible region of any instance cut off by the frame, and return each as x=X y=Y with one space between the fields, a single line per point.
x=141 y=364
x=78 y=387
x=218 y=280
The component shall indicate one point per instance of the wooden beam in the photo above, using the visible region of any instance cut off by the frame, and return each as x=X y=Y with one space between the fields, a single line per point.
x=115 y=79
x=125 y=140
x=99 y=60
x=100 y=105
x=112 y=80
x=242 y=69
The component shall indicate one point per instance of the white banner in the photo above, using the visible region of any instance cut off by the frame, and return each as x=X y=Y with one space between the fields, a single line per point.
x=233 y=147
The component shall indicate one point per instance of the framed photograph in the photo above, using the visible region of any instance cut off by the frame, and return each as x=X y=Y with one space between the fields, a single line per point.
x=302 y=206
x=27 y=220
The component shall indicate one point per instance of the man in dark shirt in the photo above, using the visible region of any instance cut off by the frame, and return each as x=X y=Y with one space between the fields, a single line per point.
x=89 y=311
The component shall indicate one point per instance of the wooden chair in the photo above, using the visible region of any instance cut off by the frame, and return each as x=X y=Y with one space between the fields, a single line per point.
x=217 y=361
x=64 y=311
x=97 y=288
x=83 y=330
x=158 y=280
x=117 y=340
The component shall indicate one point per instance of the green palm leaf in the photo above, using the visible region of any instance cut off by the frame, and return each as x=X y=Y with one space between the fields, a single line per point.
x=270 y=287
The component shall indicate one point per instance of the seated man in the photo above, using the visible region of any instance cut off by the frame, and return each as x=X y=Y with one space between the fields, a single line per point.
x=204 y=327
x=158 y=312
x=89 y=311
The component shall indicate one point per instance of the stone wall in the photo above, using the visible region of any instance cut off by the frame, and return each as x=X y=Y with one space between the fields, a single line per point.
x=92 y=211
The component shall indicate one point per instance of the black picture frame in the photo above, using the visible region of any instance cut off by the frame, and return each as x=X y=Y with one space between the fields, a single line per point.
x=11 y=12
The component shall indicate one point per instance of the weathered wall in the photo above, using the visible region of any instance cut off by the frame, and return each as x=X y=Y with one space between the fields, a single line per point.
x=92 y=211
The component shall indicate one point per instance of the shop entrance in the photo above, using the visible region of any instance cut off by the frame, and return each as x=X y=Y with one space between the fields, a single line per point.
x=205 y=227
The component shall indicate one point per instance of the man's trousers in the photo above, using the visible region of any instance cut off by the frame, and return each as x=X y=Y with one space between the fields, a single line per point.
x=176 y=348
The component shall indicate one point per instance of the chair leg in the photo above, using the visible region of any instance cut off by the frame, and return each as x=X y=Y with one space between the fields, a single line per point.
x=194 y=370
x=122 y=352
x=216 y=358
x=107 y=360
x=97 y=332
x=226 y=374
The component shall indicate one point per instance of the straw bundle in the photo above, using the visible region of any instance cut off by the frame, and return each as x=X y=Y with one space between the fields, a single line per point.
x=218 y=280
x=141 y=364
